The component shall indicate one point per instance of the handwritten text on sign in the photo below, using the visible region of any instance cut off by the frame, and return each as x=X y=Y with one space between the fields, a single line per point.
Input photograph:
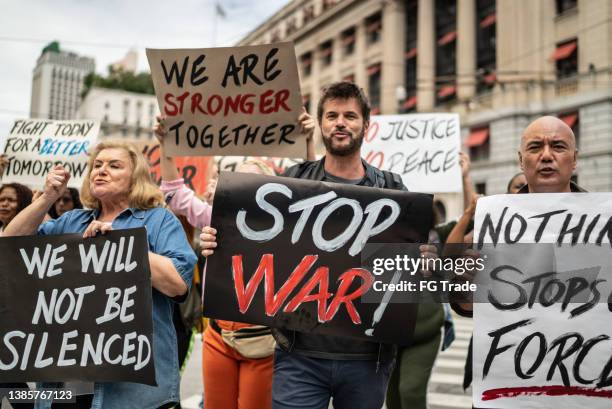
x=422 y=148
x=230 y=101
x=546 y=347
x=289 y=254
x=76 y=309
x=35 y=146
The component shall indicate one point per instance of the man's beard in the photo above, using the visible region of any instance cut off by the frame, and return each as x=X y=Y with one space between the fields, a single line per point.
x=353 y=146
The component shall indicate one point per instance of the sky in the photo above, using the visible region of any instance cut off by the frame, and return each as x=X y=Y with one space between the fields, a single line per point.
x=106 y=30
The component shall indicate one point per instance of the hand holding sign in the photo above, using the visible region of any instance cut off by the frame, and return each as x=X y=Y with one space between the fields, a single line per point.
x=96 y=227
x=208 y=241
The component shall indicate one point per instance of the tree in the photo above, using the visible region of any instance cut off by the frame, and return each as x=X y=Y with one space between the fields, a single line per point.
x=140 y=83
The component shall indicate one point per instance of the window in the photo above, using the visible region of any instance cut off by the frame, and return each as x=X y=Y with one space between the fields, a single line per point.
x=478 y=143
x=374 y=87
x=325 y=51
x=290 y=26
x=348 y=41
x=566 y=58
x=486 y=19
x=572 y=120
x=373 y=28
x=481 y=188
x=565 y=5
x=275 y=37
x=327 y=4
x=306 y=63
x=308 y=13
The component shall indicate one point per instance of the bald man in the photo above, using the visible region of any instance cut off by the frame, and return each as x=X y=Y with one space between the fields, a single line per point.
x=548 y=156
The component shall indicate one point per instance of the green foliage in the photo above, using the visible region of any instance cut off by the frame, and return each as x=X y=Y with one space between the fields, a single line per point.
x=140 y=83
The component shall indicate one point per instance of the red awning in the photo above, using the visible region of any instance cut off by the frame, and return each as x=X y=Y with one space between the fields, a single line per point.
x=488 y=20
x=373 y=69
x=447 y=38
x=348 y=40
x=410 y=102
x=447 y=91
x=564 y=51
x=477 y=137
x=374 y=26
x=570 y=119
x=410 y=53
x=375 y=111
x=491 y=78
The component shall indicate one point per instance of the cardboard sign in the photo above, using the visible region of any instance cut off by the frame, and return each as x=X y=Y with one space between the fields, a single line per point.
x=195 y=170
x=551 y=346
x=422 y=148
x=35 y=146
x=230 y=101
x=76 y=310
x=289 y=254
x=231 y=163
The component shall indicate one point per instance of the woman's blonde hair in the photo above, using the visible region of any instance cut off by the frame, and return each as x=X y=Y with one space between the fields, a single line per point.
x=263 y=166
x=144 y=194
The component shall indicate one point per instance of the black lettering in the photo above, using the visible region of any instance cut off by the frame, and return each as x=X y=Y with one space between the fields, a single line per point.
x=538 y=361
x=270 y=64
x=494 y=350
x=522 y=295
x=562 y=355
x=545 y=218
x=487 y=228
x=174 y=72
x=198 y=72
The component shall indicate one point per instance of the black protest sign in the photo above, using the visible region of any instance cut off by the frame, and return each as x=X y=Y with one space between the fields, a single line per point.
x=289 y=254
x=230 y=100
x=74 y=309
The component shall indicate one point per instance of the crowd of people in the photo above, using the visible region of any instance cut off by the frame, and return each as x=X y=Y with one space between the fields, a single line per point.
x=278 y=368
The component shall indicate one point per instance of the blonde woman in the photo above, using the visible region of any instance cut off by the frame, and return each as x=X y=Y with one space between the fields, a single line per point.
x=120 y=194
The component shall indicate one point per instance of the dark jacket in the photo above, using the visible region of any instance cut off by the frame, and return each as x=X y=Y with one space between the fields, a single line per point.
x=351 y=349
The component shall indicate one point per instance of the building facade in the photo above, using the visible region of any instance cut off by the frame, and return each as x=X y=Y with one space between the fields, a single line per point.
x=498 y=64
x=57 y=83
x=121 y=113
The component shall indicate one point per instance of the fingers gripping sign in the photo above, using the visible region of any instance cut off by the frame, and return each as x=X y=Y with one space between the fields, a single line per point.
x=208 y=241
x=97 y=227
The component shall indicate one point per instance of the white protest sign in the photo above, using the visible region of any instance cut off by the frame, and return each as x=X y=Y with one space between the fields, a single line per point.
x=422 y=148
x=34 y=146
x=551 y=347
x=231 y=163
x=230 y=100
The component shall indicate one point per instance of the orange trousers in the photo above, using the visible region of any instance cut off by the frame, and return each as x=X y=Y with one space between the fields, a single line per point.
x=232 y=381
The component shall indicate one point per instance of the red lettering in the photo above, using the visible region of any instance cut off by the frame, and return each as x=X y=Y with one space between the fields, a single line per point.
x=346 y=279
x=168 y=99
x=321 y=279
x=372 y=156
x=265 y=100
x=209 y=105
x=273 y=301
x=372 y=131
x=195 y=103
x=233 y=104
x=247 y=105
x=281 y=97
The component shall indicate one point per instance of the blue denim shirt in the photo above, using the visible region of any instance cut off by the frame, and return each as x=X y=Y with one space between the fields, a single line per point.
x=167 y=238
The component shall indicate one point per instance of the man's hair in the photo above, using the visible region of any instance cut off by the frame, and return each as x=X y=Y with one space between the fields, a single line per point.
x=344 y=90
x=143 y=194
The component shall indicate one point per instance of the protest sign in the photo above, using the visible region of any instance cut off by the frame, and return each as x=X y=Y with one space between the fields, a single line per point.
x=422 y=148
x=230 y=101
x=195 y=170
x=231 y=163
x=35 y=146
x=289 y=254
x=74 y=309
x=550 y=345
